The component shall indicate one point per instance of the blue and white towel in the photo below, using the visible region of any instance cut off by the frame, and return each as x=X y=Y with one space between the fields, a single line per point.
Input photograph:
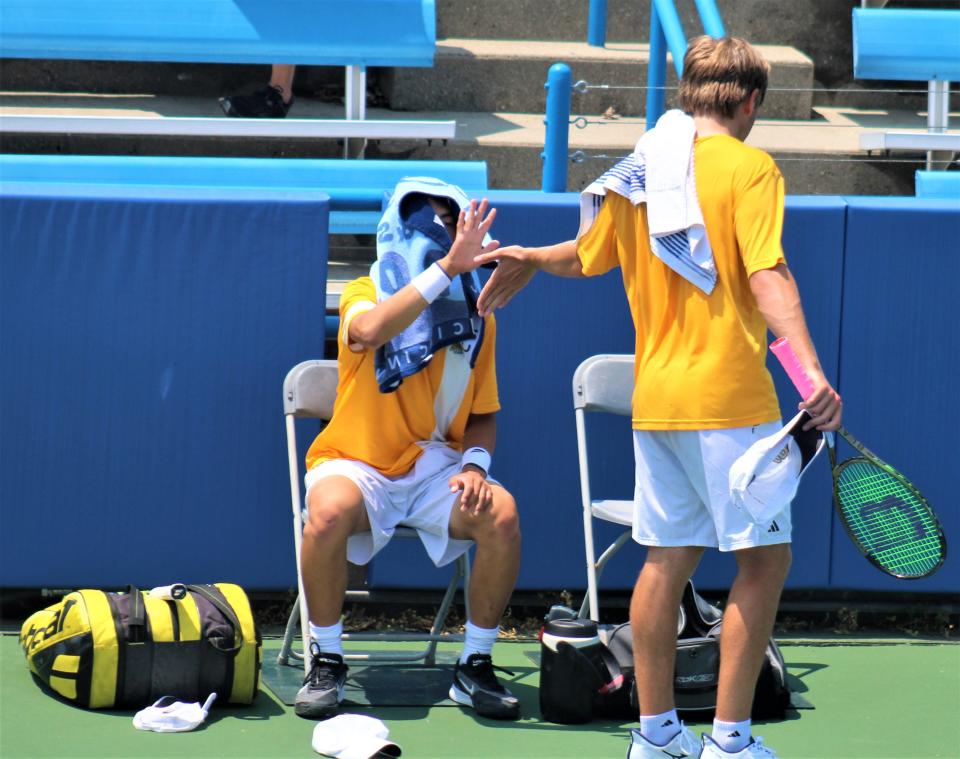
x=660 y=173
x=410 y=238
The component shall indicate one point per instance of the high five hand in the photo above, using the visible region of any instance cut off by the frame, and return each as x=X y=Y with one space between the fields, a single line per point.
x=472 y=226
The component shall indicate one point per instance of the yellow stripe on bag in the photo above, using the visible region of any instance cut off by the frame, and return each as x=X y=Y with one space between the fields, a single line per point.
x=244 y=665
x=103 y=681
x=65 y=686
x=161 y=623
x=188 y=615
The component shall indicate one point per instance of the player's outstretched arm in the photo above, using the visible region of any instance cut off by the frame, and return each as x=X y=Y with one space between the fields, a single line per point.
x=516 y=266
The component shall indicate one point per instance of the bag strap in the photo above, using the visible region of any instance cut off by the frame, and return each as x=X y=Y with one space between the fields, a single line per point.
x=224 y=608
x=613 y=672
x=137 y=621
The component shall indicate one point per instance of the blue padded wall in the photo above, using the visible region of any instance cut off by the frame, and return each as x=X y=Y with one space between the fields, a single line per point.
x=544 y=334
x=145 y=334
x=899 y=364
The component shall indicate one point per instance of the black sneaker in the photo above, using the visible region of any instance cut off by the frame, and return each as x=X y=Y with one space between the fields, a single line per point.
x=262 y=104
x=322 y=689
x=474 y=684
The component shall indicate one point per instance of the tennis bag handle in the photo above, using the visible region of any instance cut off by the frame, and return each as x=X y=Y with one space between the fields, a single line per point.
x=226 y=610
x=137 y=624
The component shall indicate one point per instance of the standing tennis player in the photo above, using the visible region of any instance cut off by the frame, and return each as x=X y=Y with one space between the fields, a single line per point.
x=702 y=394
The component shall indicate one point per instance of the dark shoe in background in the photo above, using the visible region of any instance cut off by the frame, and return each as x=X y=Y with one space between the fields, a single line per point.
x=262 y=104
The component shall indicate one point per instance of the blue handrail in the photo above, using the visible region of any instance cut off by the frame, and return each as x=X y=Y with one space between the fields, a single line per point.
x=666 y=34
x=597 y=23
x=557 y=137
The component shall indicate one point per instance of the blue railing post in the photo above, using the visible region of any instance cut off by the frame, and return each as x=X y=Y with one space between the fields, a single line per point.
x=656 y=69
x=673 y=31
x=710 y=16
x=597 y=23
x=556 y=142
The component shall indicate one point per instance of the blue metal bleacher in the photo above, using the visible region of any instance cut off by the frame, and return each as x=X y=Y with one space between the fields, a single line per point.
x=313 y=32
x=356 y=188
x=906 y=44
x=910 y=44
x=355 y=34
x=938 y=184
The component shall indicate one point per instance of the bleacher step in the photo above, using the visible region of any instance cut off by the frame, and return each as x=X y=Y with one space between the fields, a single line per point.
x=504 y=76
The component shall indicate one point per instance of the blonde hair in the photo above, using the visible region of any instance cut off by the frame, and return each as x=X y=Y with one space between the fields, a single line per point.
x=719 y=75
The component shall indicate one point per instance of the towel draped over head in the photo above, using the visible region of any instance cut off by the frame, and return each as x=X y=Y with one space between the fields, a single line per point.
x=411 y=238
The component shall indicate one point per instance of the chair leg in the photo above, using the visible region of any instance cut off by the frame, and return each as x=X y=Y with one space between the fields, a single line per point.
x=460 y=572
x=585 y=607
x=286 y=650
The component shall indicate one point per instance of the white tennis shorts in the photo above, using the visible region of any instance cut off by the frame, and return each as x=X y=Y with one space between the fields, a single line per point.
x=682 y=491
x=421 y=499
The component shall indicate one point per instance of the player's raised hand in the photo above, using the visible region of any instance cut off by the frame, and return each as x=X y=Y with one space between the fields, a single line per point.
x=473 y=225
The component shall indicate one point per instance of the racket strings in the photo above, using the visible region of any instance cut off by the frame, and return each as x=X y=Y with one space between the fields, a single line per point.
x=888 y=518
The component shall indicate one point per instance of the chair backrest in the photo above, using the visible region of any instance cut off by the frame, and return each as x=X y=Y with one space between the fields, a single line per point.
x=311 y=32
x=605 y=383
x=310 y=389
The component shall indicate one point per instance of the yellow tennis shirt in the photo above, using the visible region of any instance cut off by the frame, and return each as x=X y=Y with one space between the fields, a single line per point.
x=382 y=429
x=699 y=358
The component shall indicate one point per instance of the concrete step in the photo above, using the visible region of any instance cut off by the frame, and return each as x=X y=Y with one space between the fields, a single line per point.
x=819 y=28
x=504 y=76
x=817 y=156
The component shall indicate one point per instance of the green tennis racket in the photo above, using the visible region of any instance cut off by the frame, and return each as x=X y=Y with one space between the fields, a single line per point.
x=885 y=516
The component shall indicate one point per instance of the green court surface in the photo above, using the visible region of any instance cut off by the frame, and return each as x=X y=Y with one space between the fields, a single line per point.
x=869 y=695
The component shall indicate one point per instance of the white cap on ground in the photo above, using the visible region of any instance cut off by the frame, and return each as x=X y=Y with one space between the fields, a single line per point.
x=765 y=478
x=353 y=736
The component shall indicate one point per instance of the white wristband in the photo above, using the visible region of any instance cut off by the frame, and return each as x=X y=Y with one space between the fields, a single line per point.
x=477 y=456
x=431 y=282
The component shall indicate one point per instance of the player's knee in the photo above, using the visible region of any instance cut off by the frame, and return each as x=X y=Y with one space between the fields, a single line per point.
x=331 y=517
x=502 y=527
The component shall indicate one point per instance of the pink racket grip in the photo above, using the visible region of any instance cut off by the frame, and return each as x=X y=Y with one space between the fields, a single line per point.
x=782 y=349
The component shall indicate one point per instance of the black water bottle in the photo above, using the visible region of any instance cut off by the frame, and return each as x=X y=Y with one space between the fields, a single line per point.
x=572 y=671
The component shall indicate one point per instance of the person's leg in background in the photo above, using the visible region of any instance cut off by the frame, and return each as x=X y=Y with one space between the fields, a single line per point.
x=270 y=102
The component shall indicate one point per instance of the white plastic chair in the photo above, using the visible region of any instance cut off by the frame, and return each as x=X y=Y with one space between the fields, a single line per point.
x=309 y=391
x=601 y=383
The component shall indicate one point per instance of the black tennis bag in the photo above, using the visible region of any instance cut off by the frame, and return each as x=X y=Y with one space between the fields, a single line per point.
x=103 y=650
x=579 y=681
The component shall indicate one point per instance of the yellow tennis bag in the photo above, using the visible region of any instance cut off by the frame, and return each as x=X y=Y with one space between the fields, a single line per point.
x=104 y=650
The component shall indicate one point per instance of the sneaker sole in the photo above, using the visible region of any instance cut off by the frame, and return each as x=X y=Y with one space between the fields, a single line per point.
x=490 y=710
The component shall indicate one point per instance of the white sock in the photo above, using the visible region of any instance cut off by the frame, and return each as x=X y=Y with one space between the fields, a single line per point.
x=478 y=640
x=328 y=638
x=660 y=729
x=731 y=736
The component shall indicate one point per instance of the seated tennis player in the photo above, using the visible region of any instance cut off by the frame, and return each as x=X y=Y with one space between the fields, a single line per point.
x=411 y=439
